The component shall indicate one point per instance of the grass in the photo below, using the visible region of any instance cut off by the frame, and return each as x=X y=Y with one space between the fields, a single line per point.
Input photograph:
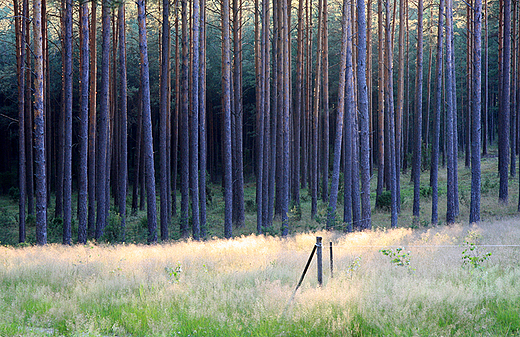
x=242 y=287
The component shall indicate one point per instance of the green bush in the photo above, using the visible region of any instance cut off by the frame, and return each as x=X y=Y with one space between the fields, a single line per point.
x=384 y=201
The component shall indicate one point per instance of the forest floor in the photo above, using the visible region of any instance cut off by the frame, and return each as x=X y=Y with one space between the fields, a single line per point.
x=300 y=218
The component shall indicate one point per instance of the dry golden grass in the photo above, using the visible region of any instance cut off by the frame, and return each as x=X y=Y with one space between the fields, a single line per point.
x=242 y=286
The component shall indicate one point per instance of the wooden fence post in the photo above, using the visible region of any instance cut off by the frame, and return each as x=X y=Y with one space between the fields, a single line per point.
x=331 y=262
x=319 y=260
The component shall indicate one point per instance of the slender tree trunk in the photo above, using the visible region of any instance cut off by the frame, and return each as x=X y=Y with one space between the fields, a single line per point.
x=238 y=204
x=194 y=112
x=91 y=226
x=326 y=136
x=202 y=119
x=451 y=145
x=147 y=126
x=164 y=116
x=390 y=112
x=21 y=25
x=486 y=88
x=437 y=118
x=226 y=109
x=175 y=122
x=299 y=108
x=123 y=165
x=381 y=104
x=364 y=158
x=259 y=72
x=39 y=129
x=504 y=112
x=339 y=116
x=67 y=146
x=418 y=117
x=317 y=85
x=83 y=126
x=102 y=148
x=350 y=188
x=183 y=131
x=286 y=119
x=475 y=117
x=265 y=59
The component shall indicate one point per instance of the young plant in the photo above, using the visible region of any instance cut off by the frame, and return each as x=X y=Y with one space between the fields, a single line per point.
x=399 y=257
x=472 y=255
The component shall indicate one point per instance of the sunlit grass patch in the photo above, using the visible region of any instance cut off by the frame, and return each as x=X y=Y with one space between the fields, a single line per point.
x=242 y=287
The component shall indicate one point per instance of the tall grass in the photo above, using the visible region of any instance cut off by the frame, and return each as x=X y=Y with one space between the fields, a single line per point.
x=241 y=287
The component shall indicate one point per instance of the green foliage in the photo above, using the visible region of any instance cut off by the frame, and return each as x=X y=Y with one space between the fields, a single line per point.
x=353 y=266
x=112 y=232
x=14 y=193
x=398 y=257
x=250 y=206
x=489 y=185
x=384 y=201
x=174 y=273
x=425 y=191
x=472 y=256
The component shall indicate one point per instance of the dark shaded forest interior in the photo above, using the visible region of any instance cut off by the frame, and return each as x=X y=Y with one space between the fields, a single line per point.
x=217 y=116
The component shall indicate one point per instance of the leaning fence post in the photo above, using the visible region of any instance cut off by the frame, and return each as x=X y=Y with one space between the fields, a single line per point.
x=331 y=262
x=319 y=260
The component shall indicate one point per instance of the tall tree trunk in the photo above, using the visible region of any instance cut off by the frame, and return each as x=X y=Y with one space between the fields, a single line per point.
x=226 y=109
x=486 y=88
x=504 y=112
x=326 y=136
x=391 y=120
x=349 y=187
x=67 y=146
x=364 y=158
x=259 y=72
x=266 y=103
x=123 y=164
x=317 y=85
x=83 y=126
x=194 y=117
x=451 y=145
x=183 y=126
x=238 y=203
x=345 y=49
x=164 y=112
x=437 y=119
x=381 y=104
x=202 y=119
x=102 y=148
x=475 y=117
x=286 y=119
x=298 y=110
x=21 y=25
x=418 y=117
x=39 y=129
x=147 y=126
x=91 y=226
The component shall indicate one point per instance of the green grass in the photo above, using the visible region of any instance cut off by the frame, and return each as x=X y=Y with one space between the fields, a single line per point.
x=242 y=287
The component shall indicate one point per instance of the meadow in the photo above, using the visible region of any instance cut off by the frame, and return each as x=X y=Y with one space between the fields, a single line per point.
x=436 y=286
x=416 y=280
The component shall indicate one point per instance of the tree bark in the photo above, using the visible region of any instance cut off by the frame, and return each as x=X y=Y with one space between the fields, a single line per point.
x=164 y=117
x=123 y=164
x=147 y=126
x=437 y=118
x=102 y=148
x=226 y=109
x=475 y=117
x=504 y=112
x=91 y=226
x=83 y=127
x=39 y=129
x=418 y=117
x=364 y=158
